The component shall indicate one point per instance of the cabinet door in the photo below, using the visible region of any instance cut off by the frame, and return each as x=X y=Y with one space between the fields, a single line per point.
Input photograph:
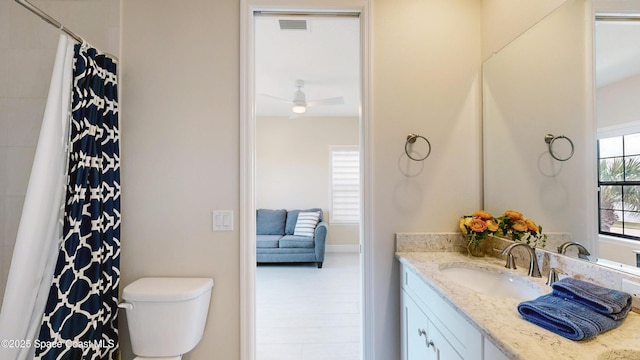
x=440 y=347
x=415 y=327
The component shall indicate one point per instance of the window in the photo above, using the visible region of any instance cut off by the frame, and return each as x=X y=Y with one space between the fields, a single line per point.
x=345 y=184
x=619 y=185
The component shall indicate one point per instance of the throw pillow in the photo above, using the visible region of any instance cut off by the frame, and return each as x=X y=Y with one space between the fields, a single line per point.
x=306 y=223
x=270 y=222
x=292 y=217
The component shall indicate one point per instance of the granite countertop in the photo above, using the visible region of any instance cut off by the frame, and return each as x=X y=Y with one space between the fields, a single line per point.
x=498 y=319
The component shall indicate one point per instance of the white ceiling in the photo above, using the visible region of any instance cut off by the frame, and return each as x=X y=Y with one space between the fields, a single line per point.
x=326 y=56
x=617 y=51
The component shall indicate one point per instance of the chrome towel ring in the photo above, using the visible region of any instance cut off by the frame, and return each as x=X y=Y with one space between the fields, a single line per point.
x=412 y=138
x=550 y=139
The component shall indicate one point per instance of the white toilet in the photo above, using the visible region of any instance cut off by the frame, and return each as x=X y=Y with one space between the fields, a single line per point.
x=166 y=316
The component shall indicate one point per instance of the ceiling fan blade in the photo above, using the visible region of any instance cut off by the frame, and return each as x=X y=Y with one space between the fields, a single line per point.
x=276 y=98
x=330 y=101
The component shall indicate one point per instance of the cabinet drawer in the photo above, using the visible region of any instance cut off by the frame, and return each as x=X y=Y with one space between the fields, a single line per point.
x=415 y=285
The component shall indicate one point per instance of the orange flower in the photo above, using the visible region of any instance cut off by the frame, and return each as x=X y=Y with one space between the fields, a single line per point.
x=477 y=225
x=481 y=214
x=519 y=225
x=531 y=225
x=513 y=215
x=492 y=225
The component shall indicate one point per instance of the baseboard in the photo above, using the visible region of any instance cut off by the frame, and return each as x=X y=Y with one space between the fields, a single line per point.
x=355 y=248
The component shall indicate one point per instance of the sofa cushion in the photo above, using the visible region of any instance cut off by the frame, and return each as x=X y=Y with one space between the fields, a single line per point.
x=267 y=241
x=306 y=223
x=292 y=219
x=293 y=241
x=270 y=222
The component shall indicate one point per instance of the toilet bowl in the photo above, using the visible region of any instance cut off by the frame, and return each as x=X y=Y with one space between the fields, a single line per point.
x=166 y=316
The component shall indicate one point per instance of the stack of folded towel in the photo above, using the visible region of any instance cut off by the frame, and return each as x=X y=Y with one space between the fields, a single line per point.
x=577 y=309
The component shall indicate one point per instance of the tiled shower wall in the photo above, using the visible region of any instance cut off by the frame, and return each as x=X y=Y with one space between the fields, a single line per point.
x=27 y=52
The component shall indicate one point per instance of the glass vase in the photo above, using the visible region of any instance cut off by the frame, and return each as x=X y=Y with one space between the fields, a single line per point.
x=475 y=249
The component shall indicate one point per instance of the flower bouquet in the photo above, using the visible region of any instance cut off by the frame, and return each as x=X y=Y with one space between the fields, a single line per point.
x=476 y=228
x=515 y=226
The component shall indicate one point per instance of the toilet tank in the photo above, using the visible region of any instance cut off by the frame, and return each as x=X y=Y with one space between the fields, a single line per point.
x=167 y=314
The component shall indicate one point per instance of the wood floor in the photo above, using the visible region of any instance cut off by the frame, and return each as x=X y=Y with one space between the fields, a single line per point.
x=306 y=313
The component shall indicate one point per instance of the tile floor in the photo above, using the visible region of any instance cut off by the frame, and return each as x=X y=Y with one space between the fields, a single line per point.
x=306 y=313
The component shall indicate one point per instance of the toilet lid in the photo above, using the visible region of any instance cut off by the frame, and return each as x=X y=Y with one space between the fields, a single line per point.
x=158 y=358
x=163 y=289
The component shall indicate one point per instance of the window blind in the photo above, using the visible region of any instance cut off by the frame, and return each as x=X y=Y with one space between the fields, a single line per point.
x=345 y=185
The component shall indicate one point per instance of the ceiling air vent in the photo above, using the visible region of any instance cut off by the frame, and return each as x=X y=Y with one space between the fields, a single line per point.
x=293 y=24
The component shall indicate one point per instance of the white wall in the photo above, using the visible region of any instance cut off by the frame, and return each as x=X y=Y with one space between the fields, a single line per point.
x=180 y=153
x=27 y=53
x=426 y=71
x=617 y=103
x=293 y=165
x=504 y=20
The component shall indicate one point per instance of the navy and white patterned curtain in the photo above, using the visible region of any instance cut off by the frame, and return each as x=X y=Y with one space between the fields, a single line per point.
x=80 y=319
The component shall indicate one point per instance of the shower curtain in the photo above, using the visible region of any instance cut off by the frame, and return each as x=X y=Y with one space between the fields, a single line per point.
x=61 y=299
x=37 y=241
x=80 y=318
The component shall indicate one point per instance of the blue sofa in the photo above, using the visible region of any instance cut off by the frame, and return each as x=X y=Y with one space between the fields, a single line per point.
x=276 y=242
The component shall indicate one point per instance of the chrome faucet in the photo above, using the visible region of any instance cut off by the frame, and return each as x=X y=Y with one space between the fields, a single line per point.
x=533 y=260
x=582 y=251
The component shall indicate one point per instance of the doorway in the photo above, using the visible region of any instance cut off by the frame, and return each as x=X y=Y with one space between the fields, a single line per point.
x=251 y=181
x=307 y=77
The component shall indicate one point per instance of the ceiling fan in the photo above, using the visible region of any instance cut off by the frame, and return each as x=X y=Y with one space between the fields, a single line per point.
x=299 y=104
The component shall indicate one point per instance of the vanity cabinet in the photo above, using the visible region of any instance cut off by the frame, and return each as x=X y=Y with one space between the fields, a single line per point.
x=432 y=329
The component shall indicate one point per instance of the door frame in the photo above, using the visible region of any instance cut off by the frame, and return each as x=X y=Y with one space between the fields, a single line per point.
x=247 y=164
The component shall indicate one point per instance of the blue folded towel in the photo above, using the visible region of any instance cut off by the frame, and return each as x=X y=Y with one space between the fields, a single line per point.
x=616 y=304
x=566 y=318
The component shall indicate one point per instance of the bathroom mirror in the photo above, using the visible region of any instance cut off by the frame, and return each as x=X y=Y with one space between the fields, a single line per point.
x=545 y=82
x=617 y=83
x=540 y=84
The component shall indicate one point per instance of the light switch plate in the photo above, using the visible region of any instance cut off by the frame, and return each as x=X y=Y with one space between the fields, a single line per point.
x=222 y=220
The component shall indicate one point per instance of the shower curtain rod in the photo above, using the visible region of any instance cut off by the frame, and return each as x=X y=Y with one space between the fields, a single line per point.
x=46 y=17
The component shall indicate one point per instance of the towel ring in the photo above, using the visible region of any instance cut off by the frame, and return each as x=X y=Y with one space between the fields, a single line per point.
x=550 y=139
x=411 y=138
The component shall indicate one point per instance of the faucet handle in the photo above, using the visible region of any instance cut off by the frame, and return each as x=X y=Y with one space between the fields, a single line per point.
x=511 y=264
x=553 y=275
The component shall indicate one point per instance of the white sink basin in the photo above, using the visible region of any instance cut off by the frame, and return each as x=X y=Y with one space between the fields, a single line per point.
x=492 y=281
